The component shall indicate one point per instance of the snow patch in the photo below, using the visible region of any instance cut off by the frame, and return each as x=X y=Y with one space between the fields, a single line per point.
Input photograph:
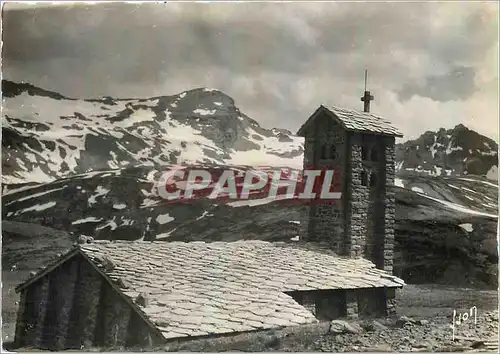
x=450 y=149
x=417 y=189
x=467 y=227
x=269 y=150
x=38 y=207
x=204 y=112
x=35 y=195
x=139 y=116
x=492 y=174
x=488 y=153
x=205 y=213
x=7 y=191
x=35 y=175
x=165 y=234
x=479 y=181
x=86 y=220
x=111 y=223
x=31 y=157
x=459 y=207
x=92 y=174
x=433 y=149
x=147 y=202
x=164 y=218
x=100 y=191
x=438 y=170
x=468 y=190
x=398 y=182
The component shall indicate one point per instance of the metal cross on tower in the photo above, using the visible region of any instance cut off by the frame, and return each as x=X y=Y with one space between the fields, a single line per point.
x=366 y=97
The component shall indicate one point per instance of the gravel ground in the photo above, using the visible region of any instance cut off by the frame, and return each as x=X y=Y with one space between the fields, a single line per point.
x=402 y=335
x=423 y=324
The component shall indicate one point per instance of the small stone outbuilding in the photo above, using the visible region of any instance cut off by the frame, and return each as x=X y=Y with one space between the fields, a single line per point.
x=112 y=294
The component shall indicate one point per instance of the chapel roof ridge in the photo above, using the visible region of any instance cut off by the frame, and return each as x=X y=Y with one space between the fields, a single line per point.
x=355 y=120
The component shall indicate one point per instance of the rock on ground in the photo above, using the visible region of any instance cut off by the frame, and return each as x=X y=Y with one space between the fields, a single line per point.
x=402 y=334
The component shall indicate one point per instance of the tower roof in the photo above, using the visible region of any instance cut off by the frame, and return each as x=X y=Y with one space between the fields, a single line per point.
x=356 y=121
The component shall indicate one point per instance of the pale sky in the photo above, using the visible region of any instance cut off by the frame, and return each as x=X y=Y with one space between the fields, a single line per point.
x=430 y=65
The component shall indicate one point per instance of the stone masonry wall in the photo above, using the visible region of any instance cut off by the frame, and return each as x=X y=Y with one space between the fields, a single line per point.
x=85 y=307
x=73 y=307
x=351 y=301
x=42 y=300
x=390 y=205
x=327 y=305
x=64 y=301
x=357 y=209
x=376 y=202
x=390 y=300
x=370 y=214
x=106 y=320
x=327 y=148
x=372 y=201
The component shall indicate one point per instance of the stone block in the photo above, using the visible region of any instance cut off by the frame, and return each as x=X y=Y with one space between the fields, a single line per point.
x=341 y=327
x=351 y=302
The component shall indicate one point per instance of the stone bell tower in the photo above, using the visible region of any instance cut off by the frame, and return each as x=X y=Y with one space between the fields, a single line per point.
x=361 y=146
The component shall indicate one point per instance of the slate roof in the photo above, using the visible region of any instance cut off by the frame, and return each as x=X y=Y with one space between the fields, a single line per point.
x=198 y=288
x=353 y=120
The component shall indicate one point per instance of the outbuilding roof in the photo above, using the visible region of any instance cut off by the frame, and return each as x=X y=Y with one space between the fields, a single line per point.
x=353 y=120
x=198 y=288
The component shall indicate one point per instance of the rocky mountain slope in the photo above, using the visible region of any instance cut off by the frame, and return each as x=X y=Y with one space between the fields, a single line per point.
x=452 y=217
x=453 y=152
x=46 y=136
x=90 y=166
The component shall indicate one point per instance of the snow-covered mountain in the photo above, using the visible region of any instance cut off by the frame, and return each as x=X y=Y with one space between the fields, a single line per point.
x=46 y=136
x=452 y=152
x=89 y=167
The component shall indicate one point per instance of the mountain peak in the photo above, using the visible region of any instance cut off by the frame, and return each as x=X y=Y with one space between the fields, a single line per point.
x=203 y=92
x=460 y=127
x=455 y=151
x=48 y=136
